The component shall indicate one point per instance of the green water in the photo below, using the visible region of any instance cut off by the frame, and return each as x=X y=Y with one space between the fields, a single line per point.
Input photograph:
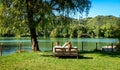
x=10 y=44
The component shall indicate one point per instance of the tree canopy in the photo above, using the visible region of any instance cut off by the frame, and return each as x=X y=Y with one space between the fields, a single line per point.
x=16 y=15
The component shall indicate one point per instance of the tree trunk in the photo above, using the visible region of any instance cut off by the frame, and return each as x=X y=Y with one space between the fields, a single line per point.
x=34 y=41
x=32 y=26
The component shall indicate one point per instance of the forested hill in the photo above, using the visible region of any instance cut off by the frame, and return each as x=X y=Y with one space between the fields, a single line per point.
x=60 y=26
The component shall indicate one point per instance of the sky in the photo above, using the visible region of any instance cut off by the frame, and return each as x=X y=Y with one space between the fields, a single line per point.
x=104 y=7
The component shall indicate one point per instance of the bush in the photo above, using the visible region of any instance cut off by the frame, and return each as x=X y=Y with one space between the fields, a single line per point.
x=117 y=46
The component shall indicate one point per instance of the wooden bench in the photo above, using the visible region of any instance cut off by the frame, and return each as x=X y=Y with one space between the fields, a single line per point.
x=65 y=52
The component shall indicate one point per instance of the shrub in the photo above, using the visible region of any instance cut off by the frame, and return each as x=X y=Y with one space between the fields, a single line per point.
x=117 y=46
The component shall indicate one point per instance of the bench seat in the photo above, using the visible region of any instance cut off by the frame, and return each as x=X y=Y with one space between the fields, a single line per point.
x=60 y=51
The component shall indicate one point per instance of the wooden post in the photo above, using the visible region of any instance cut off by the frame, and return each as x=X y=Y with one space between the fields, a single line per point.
x=52 y=46
x=1 y=49
x=96 y=46
x=82 y=47
x=112 y=47
x=19 y=47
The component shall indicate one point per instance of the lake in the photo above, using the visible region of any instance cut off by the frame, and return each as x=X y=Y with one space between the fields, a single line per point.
x=10 y=44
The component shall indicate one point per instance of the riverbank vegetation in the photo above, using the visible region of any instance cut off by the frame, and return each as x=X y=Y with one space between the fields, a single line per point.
x=60 y=26
x=45 y=61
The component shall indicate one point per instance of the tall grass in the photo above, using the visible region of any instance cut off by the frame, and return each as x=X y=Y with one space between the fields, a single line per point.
x=45 y=61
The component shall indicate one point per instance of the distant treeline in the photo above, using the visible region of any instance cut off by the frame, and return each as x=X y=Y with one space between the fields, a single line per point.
x=60 y=26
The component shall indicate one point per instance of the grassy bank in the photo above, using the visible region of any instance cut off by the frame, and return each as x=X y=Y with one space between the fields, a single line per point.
x=45 y=61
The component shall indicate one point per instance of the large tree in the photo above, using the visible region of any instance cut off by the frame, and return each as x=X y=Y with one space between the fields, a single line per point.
x=17 y=14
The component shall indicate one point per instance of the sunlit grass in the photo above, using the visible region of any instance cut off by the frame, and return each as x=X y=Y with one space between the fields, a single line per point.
x=45 y=61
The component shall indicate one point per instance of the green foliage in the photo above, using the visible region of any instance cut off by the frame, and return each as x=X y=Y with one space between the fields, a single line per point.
x=79 y=33
x=117 y=33
x=49 y=25
x=16 y=14
x=31 y=13
x=104 y=26
x=54 y=33
x=117 y=46
x=65 y=32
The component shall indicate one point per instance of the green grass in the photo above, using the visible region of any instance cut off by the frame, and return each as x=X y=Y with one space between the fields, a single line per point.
x=45 y=61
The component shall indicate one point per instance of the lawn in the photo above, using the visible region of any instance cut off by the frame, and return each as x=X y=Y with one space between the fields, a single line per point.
x=45 y=61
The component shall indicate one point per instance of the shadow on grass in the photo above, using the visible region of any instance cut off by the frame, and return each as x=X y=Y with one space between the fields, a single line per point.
x=102 y=53
x=67 y=57
x=111 y=54
x=73 y=57
x=83 y=57
x=81 y=54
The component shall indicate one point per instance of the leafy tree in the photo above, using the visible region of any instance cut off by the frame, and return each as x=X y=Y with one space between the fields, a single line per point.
x=73 y=30
x=79 y=32
x=103 y=26
x=65 y=32
x=54 y=33
x=20 y=13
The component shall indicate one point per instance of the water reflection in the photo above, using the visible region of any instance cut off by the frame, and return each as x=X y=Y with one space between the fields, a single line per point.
x=9 y=49
x=10 y=45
